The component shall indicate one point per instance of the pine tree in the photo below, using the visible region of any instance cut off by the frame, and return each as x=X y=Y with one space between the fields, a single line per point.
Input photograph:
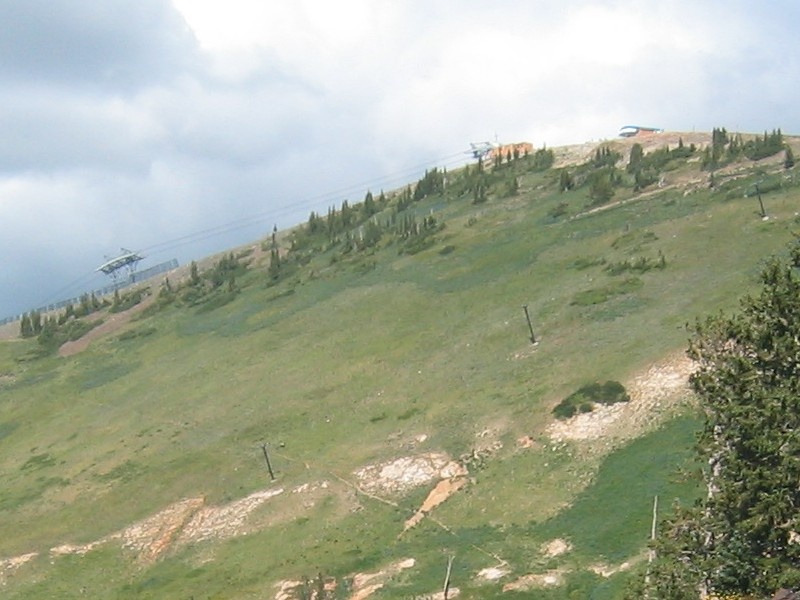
x=274 y=269
x=36 y=322
x=194 y=274
x=565 y=181
x=740 y=540
x=788 y=161
x=635 y=160
x=25 y=326
x=368 y=207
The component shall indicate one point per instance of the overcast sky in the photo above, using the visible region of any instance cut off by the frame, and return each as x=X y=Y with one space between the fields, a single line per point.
x=180 y=128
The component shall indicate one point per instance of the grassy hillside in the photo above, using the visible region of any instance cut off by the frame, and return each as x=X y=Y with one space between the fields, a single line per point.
x=351 y=357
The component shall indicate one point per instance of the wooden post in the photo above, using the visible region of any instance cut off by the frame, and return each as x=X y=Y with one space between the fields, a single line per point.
x=760 y=202
x=652 y=553
x=530 y=326
x=269 y=465
x=446 y=589
x=655 y=518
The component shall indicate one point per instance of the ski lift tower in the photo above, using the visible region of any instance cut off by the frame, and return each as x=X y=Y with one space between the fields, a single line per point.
x=481 y=150
x=124 y=263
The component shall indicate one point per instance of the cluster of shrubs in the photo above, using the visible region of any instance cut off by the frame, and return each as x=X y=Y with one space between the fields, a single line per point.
x=584 y=399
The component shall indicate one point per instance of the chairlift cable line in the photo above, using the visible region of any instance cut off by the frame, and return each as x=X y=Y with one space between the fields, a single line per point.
x=252 y=220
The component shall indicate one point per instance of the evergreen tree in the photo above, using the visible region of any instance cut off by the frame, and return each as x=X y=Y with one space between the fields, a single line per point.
x=314 y=224
x=565 y=181
x=85 y=306
x=274 y=269
x=512 y=187
x=601 y=185
x=346 y=216
x=719 y=138
x=788 y=161
x=368 y=206
x=36 y=322
x=479 y=191
x=635 y=160
x=194 y=275
x=543 y=159
x=25 y=326
x=742 y=538
x=370 y=235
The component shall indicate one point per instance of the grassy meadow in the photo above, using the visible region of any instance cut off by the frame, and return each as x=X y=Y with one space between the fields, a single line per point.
x=368 y=356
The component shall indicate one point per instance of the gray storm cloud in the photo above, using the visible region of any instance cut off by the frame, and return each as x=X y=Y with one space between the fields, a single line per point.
x=138 y=124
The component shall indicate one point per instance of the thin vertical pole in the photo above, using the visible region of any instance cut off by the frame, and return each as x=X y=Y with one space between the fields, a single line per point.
x=446 y=590
x=269 y=465
x=760 y=202
x=652 y=553
x=530 y=326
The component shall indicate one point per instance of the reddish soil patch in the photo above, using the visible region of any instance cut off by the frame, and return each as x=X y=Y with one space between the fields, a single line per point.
x=443 y=490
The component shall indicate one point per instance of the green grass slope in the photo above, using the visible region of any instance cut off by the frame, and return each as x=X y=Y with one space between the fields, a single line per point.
x=357 y=357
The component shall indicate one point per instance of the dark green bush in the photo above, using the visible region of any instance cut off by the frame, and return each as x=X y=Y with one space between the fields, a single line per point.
x=584 y=399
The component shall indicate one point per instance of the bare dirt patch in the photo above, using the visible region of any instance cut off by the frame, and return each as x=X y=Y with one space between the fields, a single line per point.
x=452 y=592
x=362 y=585
x=9 y=565
x=493 y=573
x=606 y=571
x=152 y=536
x=556 y=547
x=77 y=549
x=225 y=521
x=580 y=153
x=406 y=473
x=366 y=584
x=443 y=490
x=185 y=522
x=540 y=580
x=654 y=394
x=9 y=331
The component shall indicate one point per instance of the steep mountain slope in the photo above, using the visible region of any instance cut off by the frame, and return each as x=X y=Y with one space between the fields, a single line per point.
x=384 y=363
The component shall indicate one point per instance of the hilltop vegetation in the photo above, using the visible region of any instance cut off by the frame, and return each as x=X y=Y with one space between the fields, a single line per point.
x=373 y=354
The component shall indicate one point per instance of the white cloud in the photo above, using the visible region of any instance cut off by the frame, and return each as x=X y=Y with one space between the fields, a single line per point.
x=155 y=119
